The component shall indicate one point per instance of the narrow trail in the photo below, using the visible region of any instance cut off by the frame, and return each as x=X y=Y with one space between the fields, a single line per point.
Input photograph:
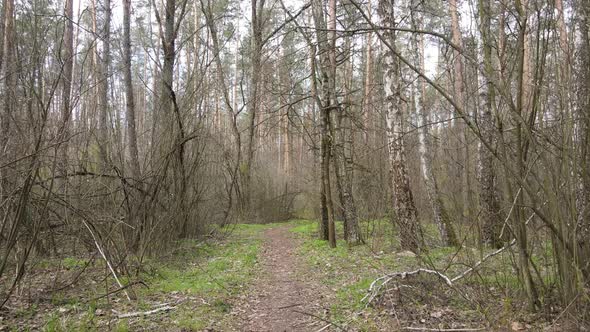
x=282 y=298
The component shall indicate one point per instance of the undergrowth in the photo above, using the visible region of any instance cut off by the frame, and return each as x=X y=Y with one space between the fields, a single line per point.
x=349 y=271
x=202 y=280
x=198 y=280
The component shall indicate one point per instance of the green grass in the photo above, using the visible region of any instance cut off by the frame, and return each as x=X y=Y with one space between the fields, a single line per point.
x=60 y=323
x=350 y=296
x=304 y=226
x=349 y=271
x=74 y=263
x=211 y=275
x=216 y=272
x=226 y=268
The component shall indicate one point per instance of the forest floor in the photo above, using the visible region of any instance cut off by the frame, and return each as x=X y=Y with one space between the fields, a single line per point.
x=277 y=277
x=283 y=297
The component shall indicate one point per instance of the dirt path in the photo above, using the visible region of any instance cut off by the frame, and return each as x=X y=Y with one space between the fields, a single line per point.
x=282 y=299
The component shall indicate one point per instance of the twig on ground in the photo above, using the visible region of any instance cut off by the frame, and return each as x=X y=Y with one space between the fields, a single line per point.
x=376 y=286
x=564 y=310
x=145 y=313
x=290 y=306
x=325 y=327
x=411 y=328
x=319 y=317
x=378 y=283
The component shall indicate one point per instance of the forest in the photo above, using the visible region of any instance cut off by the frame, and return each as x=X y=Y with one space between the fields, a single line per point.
x=294 y=165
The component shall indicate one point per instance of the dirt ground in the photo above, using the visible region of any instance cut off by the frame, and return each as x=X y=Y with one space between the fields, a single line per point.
x=282 y=298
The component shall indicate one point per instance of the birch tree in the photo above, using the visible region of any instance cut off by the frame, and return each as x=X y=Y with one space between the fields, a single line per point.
x=440 y=215
x=404 y=210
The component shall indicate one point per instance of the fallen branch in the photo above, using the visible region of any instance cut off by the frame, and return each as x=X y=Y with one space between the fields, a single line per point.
x=145 y=313
x=376 y=286
x=325 y=327
x=320 y=318
x=410 y=328
x=291 y=306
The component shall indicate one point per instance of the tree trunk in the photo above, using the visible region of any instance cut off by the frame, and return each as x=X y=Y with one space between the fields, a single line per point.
x=583 y=112
x=68 y=56
x=522 y=106
x=459 y=94
x=323 y=229
x=9 y=67
x=440 y=216
x=325 y=104
x=66 y=110
x=173 y=118
x=103 y=93
x=491 y=218
x=368 y=83
x=404 y=209
x=327 y=119
x=256 y=43
x=133 y=153
x=343 y=158
x=2 y=30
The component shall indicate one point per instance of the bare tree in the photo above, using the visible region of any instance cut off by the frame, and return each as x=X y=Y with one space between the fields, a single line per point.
x=490 y=210
x=129 y=94
x=326 y=104
x=103 y=91
x=257 y=22
x=8 y=66
x=404 y=209
x=168 y=106
x=583 y=105
x=368 y=83
x=440 y=215
x=343 y=147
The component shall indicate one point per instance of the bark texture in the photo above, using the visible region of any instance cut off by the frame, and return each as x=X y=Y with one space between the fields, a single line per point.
x=583 y=112
x=257 y=7
x=404 y=209
x=133 y=153
x=8 y=72
x=103 y=89
x=459 y=94
x=491 y=219
x=326 y=105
